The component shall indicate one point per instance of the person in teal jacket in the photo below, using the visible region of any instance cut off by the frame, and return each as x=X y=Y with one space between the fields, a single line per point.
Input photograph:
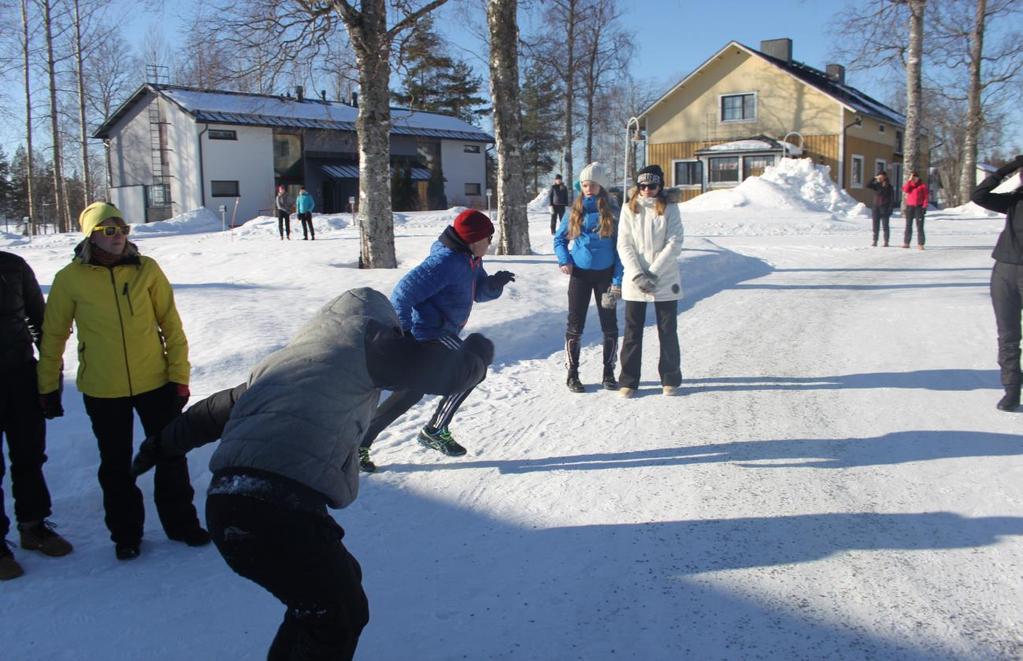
x=585 y=247
x=304 y=205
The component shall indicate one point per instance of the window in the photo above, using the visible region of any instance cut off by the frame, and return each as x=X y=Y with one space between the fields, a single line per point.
x=754 y=166
x=724 y=170
x=898 y=142
x=472 y=189
x=738 y=107
x=471 y=149
x=222 y=134
x=688 y=173
x=856 y=175
x=158 y=195
x=880 y=127
x=224 y=188
x=880 y=166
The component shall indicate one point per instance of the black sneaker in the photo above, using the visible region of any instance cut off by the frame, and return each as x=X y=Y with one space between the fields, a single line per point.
x=1010 y=402
x=126 y=551
x=440 y=440
x=9 y=567
x=366 y=464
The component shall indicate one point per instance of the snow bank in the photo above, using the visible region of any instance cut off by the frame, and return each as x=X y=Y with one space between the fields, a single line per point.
x=791 y=185
x=970 y=210
x=196 y=221
x=539 y=203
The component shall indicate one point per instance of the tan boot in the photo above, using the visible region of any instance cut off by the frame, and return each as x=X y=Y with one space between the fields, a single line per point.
x=669 y=391
x=40 y=536
x=626 y=392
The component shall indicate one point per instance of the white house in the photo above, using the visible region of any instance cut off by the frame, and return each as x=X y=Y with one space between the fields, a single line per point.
x=171 y=149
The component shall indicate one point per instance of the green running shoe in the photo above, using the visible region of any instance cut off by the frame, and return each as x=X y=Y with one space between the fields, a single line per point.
x=441 y=440
x=366 y=464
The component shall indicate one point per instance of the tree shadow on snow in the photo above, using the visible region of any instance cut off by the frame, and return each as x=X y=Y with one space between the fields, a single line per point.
x=944 y=380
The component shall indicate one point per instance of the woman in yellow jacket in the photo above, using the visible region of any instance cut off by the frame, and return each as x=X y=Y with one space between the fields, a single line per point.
x=132 y=354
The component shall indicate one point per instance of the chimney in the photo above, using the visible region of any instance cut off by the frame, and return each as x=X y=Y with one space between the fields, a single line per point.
x=299 y=92
x=780 y=49
x=355 y=99
x=836 y=73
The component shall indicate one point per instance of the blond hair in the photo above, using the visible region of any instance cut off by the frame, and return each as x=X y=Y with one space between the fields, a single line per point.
x=662 y=200
x=606 y=227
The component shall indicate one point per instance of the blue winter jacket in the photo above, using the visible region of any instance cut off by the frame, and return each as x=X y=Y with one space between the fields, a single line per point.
x=435 y=298
x=588 y=250
x=304 y=202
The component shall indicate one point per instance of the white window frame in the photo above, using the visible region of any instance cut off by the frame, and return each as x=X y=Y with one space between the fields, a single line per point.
x=479 y=189
x=853 y=183
x=687 y=186
x=724 y=184
x=743 y=172
x=884 y=166
x=756 y=108
x=471 y=149
x=222 y=134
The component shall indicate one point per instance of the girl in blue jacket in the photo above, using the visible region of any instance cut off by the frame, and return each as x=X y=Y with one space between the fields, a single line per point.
x=585 y=247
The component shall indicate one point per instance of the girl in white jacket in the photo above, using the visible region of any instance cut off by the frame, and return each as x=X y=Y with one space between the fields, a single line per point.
x=649 y=244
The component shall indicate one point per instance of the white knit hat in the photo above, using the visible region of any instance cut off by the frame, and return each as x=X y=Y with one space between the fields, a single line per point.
x=596 y=172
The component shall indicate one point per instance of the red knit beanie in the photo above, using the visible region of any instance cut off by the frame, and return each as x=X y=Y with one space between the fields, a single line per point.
x=471 y=226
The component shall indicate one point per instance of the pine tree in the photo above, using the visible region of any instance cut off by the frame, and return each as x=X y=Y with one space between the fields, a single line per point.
x=6 y=188
x=541 y=114
x=460 y=93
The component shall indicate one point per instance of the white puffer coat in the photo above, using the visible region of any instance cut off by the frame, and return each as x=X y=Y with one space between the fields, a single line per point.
x=651 y=243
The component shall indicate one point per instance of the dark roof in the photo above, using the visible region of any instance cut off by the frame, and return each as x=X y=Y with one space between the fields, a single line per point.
x=242 y=109
x=847 y=95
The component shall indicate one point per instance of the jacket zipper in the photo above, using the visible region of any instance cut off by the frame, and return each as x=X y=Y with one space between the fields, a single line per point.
x=120 y=320
x=131 y=308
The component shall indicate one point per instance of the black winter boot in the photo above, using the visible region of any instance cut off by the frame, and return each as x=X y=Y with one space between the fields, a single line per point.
x=1010 y=402
x=572 y=349
x=610 y=353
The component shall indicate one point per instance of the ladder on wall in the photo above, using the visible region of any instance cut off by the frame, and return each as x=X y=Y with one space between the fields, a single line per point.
x=158 y=203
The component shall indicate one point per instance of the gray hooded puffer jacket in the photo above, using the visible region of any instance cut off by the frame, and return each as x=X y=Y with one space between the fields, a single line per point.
x=308 y=405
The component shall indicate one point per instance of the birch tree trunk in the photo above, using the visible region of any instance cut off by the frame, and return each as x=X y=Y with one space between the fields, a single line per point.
x=974 y=114
x=60 y=209
x=504 y=90
x=570 y=95
x=82 y=126
x=29 y=193
x=911 y=157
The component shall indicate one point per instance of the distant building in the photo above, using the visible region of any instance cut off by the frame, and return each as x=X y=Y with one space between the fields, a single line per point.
x=743 y=109
x=171 y=149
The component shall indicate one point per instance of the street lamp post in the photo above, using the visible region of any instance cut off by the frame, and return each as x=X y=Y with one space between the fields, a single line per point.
x=625 y=165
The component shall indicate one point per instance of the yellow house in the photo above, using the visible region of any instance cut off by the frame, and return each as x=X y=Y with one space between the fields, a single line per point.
x=743 y=109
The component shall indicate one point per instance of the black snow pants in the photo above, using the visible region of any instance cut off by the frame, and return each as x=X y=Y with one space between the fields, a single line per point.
x=280 y=536
x=23 y=425
x=401 y=401
x=670 y=364
x=557 y=212
x=881 y=218
x=307 y=225
x=112 y=423
x=1007 y=300
x=284 y=223
x=914 y=214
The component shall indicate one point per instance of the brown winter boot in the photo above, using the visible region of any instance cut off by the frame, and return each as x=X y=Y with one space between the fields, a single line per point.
x=9 y=567
x=40 y=536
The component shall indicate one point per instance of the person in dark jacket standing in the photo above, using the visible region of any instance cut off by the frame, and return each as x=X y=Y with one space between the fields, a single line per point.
x=557 y=198
x=433 y=302
x=884 y=197
x=916 y=207
x=1006 y=276
x=288 y=452
x=21 y=416
x=282 y=206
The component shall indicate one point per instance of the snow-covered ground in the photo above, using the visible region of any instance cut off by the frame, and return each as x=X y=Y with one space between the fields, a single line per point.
x=835 y=482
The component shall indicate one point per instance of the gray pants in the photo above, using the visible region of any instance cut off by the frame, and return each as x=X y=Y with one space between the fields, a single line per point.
x=914 y=214
x=1007 y=300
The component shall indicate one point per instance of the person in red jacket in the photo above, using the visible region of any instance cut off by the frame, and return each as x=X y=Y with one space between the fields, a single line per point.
x=916 y=205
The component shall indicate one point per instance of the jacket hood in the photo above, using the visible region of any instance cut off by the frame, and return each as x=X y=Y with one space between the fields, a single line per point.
x=83 y=253
x=450 y=239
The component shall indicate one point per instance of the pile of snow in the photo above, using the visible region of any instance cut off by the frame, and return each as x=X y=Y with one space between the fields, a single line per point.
x=795 y=184
x=539 y=203
x=970 y=210
x=196 y=221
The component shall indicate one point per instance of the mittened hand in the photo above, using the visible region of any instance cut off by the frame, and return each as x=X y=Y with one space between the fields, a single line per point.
x=481 y=346
x=182 y=394
x=501 y=278
x=51 y=406
x=646 y=282
x=609 y=299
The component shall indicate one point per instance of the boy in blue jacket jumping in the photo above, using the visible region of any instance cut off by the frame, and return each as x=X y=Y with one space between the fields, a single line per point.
x=433 y=302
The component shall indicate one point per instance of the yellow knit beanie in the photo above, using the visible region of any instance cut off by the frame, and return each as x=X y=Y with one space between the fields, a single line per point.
x=96 y=213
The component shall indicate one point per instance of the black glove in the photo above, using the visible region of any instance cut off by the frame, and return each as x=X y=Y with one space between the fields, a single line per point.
x=480 y=346
x=501 y=278
x=1010 y=167
x=647 y=283
x=147 y=456
x=50 y=403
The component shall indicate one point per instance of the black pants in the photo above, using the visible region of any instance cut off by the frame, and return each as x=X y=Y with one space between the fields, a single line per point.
x=914 y=214
x=283 y=223
x=557 y=213
x=670 y=364
x=298 y=556
x=112 y=423
x=881 y=218
x=582 y=285
x=22 y=423
x=401 y=401
x=1007 y=300
x=307 y=224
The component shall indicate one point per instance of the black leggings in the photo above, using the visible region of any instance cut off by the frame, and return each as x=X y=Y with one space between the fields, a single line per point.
x=583 y=284
x=284 y=223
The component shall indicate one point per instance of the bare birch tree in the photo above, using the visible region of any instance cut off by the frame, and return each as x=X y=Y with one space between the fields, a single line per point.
x=605 y=55
x=26 y=46
x=914 y=82
x=61 y=208
x=504 y=90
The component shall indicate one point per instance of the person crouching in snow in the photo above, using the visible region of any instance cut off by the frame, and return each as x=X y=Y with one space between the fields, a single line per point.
x=585 y=247
x=433 y=302
x=1006 y=276
x=649 y=243
x=289 y=451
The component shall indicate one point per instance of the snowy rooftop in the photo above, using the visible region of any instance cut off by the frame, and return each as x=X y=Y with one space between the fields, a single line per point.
x=238 y=108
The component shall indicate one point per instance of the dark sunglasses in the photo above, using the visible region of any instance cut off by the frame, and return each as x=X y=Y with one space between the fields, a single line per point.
x=648 y=186
x=110 y=230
